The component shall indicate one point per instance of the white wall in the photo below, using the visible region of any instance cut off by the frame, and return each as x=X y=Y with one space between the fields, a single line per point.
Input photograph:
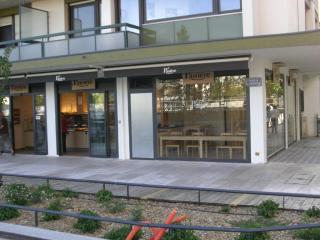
x=57 y=14
x=258 y=128
x=278 y=16
x=123 y=118
x=107 y=13
x=51 y=119
x=311 y=86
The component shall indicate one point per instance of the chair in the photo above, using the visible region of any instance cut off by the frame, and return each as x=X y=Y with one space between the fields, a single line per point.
x=173 y=144
x=192 y=146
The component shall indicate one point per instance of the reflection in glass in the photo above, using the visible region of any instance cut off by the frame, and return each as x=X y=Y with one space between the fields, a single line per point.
x=97 y=130
x=83 y=17
x=111 y=124
x=275 y=113
x=40 y=124
x=200 y=115
x=230 y=5
x=130 y=12
x=161 y=9
x=5 y=109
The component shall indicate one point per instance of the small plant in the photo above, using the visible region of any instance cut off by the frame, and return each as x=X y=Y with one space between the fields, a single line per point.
x=17 y=193
x=45 y=192
x=256 y=223
x=87 y=225
x=267 y=209
x=35 y=197
x=121 y=234
x=225 y=209
x=137 y=214
x=308 y=234
x=313 y=212
x=55 y=205
x=68 y=193
x=8 y=213
x=178 y=234
x=103 y=196
x=115 y=206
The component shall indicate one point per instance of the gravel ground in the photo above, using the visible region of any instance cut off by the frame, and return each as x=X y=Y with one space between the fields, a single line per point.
x=156 y=212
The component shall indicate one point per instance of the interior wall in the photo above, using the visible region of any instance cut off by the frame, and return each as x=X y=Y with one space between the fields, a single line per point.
x=23 y=132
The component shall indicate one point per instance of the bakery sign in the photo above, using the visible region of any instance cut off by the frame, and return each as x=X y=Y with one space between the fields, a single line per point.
x=83 y=85
x=19 y=88
x=197 y=78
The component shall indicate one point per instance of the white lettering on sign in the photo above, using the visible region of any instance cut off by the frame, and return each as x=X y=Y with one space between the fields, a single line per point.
x=168 y=71
x=254 y=82
x=60 y=78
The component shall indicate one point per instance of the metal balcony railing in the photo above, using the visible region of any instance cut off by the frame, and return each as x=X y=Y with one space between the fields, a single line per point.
x=104 y=38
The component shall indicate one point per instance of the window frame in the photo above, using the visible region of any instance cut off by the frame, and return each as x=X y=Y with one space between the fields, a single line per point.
x=216 y=10
x=97 y=17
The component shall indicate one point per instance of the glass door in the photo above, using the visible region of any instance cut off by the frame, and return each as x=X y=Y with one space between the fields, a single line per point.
x=97 y=124
x=40 y=126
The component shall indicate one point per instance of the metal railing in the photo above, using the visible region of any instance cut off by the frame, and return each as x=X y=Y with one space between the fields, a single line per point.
x=103 y=38
x=199 y=190
x=36 y=211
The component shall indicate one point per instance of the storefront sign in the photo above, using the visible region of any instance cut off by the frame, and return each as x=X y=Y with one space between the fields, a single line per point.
x=254 y=82
x=19 y=88
x=83 y=84
x=169 y=71
x=198 y=78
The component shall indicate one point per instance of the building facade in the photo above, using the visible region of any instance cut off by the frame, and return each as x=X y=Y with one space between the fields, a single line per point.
x=211 y=80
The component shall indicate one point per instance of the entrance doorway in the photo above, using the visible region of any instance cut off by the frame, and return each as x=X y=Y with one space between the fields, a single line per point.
x=29 y=124
x=88 y=124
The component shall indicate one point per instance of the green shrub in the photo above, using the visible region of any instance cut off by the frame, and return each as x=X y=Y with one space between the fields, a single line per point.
x=267 y=209
x=8 y=213
x=313 y=212
x=308 y=234
x=103 y=196
x=178 y=234
x=115 y=206
x=225 y=209
x=254 y=223
x=121 y=234
x=44 y=192
x=87 y=225
x=137 y=214
x=17 y=193
x=55 y=205
x=35 y=197
x=68 y=193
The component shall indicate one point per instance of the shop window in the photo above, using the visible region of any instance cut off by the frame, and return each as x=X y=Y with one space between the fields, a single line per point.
x=162 y=9
x=83 y=16
x=230 y=5
x=202 y=116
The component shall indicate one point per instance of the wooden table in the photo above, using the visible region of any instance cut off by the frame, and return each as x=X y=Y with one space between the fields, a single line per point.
x=202 y=139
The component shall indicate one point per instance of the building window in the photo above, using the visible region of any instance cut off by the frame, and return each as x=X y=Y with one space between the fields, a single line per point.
x=130 y=12
x=83 y=16
x=6 y=29
x=163 y=9
x=230 y=5
x=202 y=116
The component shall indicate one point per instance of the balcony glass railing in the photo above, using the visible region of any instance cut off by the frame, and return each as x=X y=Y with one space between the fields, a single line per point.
x=113 y=37
x=193 y=30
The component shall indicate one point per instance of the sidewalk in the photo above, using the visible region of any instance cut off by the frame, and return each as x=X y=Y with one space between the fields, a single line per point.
x=275 y=177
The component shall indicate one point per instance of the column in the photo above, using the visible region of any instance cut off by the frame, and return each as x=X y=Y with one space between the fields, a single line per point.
x=51 y=119
x=258 y=127
x=248 y=17
x=123 y=118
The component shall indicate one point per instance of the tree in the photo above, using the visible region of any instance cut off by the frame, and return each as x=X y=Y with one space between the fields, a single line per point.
x=5 y=72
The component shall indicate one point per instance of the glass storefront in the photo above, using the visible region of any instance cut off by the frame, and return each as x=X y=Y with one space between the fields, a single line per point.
x=275 y=112
x=202 y=116
x=88 y=119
